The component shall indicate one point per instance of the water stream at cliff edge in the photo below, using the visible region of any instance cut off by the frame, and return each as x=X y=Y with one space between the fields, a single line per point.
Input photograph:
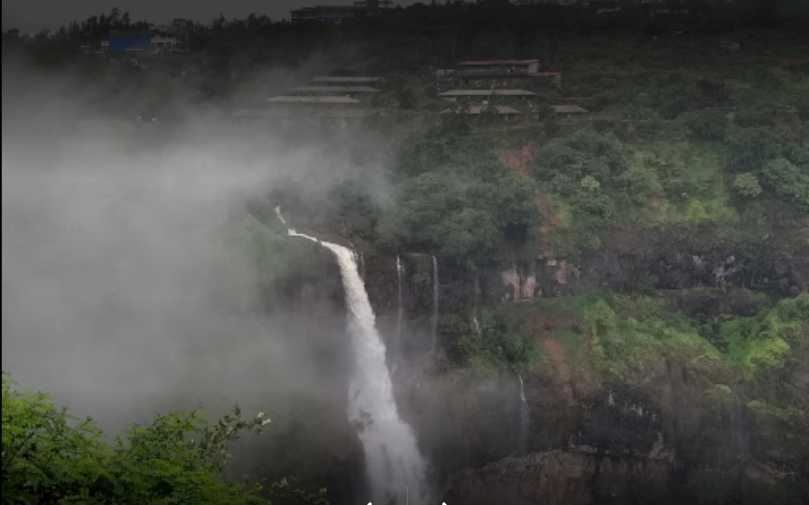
x=395 y=467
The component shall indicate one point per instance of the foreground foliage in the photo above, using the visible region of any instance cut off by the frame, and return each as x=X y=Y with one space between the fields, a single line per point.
x=50 y=457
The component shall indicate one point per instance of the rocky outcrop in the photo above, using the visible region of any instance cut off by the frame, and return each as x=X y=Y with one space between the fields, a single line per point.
x=519 y=284
x=564 y=477
x=634 y=260
x=673 y=429
x=584 y=477
x=671 y=433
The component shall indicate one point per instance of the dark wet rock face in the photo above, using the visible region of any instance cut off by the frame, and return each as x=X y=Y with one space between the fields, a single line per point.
x=674 y=429
x=564 y=477
x=579 y=477
x=670 y=437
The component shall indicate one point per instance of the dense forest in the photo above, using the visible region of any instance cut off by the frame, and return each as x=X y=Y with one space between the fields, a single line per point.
x=665 y=234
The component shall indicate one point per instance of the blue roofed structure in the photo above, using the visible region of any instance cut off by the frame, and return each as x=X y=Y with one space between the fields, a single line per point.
x=123 y=42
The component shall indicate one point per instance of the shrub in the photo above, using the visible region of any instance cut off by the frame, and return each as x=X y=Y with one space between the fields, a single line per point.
x=787 y=179
x=494 y=345
x=751 y=148
x=707 y=125
x=641 y=182
x=762 y=342
x=746 y=184
x=590 y=183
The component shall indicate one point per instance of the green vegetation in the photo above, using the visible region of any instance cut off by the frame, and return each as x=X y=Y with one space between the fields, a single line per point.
x=624 y=346
x=495 y=342
x=456 y=198
x=628 y=335
x=51 y=457
x=761 y=342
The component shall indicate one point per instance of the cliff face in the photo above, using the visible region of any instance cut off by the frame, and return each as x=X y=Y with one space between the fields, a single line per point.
x=667 y=424
x=676 y=427
x=564 y=478
x=670 y=439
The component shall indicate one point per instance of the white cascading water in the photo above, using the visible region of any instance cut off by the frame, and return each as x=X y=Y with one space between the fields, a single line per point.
x=476 y=326
x=396 y=468
x=400 y=309
x=525 y=420
x=434 y=321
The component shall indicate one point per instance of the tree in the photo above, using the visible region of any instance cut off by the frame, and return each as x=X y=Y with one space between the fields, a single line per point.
x=50 y=457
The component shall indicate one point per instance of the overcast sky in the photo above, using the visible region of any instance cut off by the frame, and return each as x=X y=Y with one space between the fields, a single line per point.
x=32 y=15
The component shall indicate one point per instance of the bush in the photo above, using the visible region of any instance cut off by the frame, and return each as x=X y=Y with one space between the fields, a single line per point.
x=786 y=179
x=751 y=148
x=590 y=183
x=641 y=182
x=495 y=345
x=762 y=342
x=707 y=125
x=747 y=185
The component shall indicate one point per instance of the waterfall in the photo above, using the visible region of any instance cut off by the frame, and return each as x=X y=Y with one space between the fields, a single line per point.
x=476 y=326
x=395 y=467
x=434 y=320
x=525 y=419
x=400 y=309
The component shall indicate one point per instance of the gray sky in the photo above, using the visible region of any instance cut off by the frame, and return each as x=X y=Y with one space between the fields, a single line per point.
x=32 y=15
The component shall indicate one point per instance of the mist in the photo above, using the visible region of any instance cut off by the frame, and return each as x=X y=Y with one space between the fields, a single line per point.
x=123 y=291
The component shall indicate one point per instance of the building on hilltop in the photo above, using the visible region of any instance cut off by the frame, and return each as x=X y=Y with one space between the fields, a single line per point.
x=352 y=91
x=121 y=42
x=164 y=43
x=485 y=109
x=502 y=110
x=325 y=100
x=297 y=111
x=499 y=67
x=346 y=80
x=568 y=110
x=463 y=93
x=522 y=99
x=129 y=42
x=335 y=14
x=496 y=73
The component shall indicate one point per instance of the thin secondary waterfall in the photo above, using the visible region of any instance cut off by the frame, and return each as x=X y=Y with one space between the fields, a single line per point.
x=434 y=320
x=476 y=326
x=400 y=308
x=524 y=417
x=396 y=468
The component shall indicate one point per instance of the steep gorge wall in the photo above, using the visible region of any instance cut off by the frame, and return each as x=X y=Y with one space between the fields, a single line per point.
x=683 y=430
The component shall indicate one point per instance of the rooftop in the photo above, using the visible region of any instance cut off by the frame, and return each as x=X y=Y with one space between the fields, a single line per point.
x=487 y=92
x=347 y=79
x=502 y=110
x=330 y=90
x=325 y=112
x=493 y=72
x=568 y=109
x=324 y=99
x=470 y=63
